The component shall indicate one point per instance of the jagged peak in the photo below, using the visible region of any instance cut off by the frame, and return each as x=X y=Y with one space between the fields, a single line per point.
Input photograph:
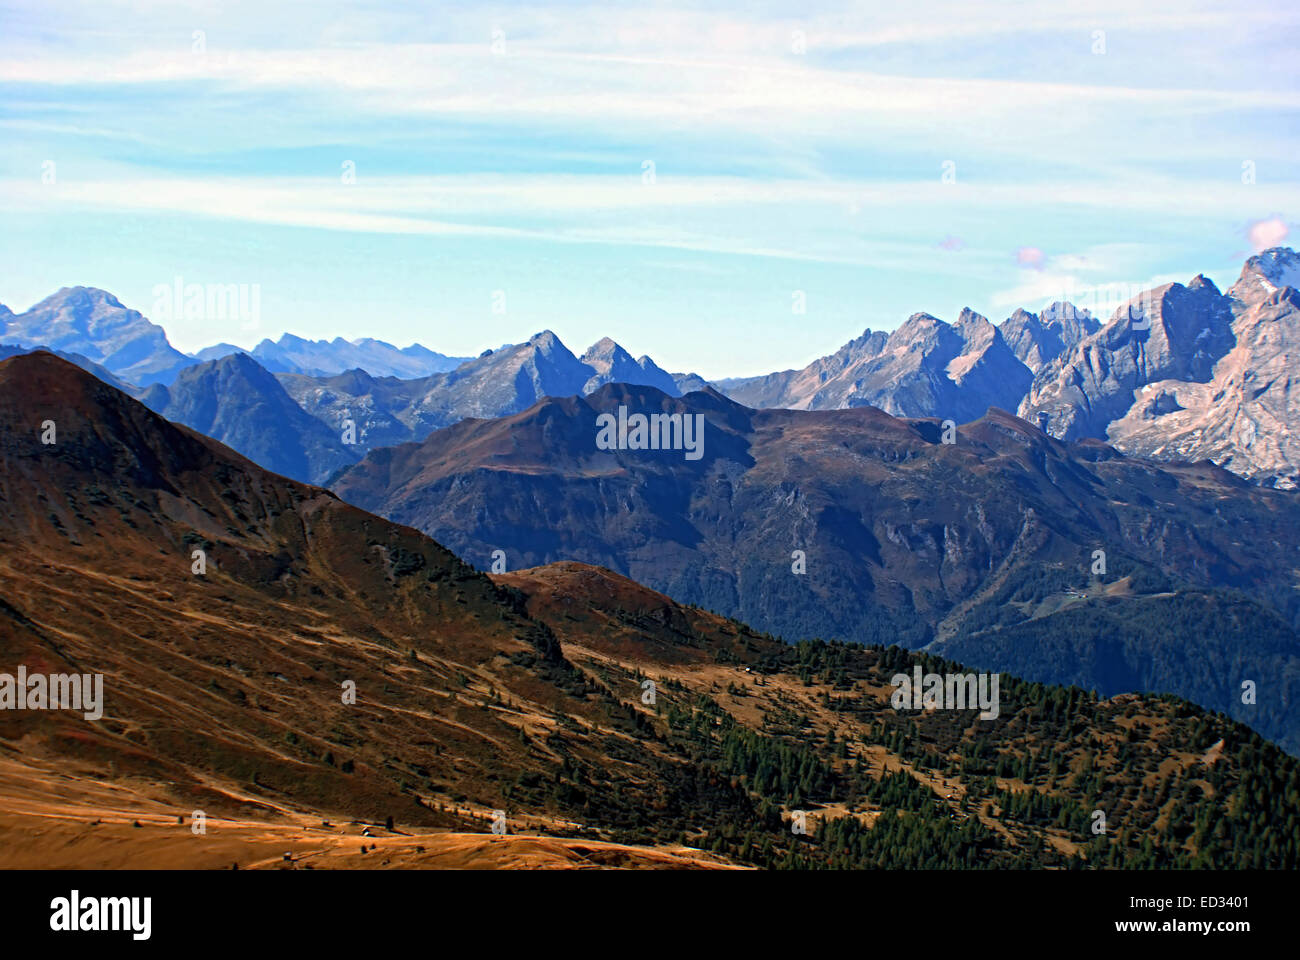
x=1063 y=310
x=917 y=325
x=1276 y=267
x=606 y=349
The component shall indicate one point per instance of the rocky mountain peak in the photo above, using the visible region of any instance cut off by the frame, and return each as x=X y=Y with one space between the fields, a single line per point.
x=606 y=351
x=1279 y=265
x=918 y=329
x=1266 y=272
x=546 y=342
x=976 y=330
x=80 y=301
x=95 y=324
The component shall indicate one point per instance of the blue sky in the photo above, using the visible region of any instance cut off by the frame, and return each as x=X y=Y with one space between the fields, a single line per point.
x=509 y=147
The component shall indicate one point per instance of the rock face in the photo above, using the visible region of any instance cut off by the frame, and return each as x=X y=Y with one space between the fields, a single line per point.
x=1037 y=340
x=236 y=401
x=823 y=384
x=925 y=368
x=326 y=358
x=497 y=383
x=1171 y=333
x=1245 y=415
x=1178 y=373
x=94 y=324
x=985 y=367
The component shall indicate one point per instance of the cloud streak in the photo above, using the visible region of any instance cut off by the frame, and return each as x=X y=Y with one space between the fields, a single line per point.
x=818 y=165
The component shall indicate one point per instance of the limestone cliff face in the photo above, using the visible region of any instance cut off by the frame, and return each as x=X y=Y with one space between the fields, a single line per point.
x=1038 y=339
x=1210 y=379
x=925 y=368
x=1181 y=372
x=1170 y=333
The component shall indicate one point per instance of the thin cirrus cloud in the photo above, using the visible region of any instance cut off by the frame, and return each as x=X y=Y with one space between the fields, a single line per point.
x=534 y=193
x=412 y=78
x=546 y=205
x=817 y=140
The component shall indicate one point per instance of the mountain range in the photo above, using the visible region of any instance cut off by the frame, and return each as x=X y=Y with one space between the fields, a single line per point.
x=94 y=323
x=497 y=383
x=308 y=427
x=298 y=426
x=1179 y=373
x=857 y=525
x=328 y=689
x=975 y=549
x=925 y=368
x=325 y=358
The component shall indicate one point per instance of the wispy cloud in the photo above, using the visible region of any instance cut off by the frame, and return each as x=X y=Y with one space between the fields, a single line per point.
x=628 y=210
x=844 y=150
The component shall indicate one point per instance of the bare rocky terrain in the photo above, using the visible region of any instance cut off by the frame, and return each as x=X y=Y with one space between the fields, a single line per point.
x=1179 y=373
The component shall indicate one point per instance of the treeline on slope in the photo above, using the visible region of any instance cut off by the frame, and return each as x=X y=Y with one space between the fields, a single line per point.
x=1053 y=757
x=1156 y=635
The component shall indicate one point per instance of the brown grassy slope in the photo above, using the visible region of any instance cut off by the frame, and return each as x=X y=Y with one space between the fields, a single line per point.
x=223 y=690
x=226 y=688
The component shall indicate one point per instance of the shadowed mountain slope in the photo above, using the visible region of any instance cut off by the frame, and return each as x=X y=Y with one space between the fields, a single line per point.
x=225 y=692
x=235 y=400
x=857 y=525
